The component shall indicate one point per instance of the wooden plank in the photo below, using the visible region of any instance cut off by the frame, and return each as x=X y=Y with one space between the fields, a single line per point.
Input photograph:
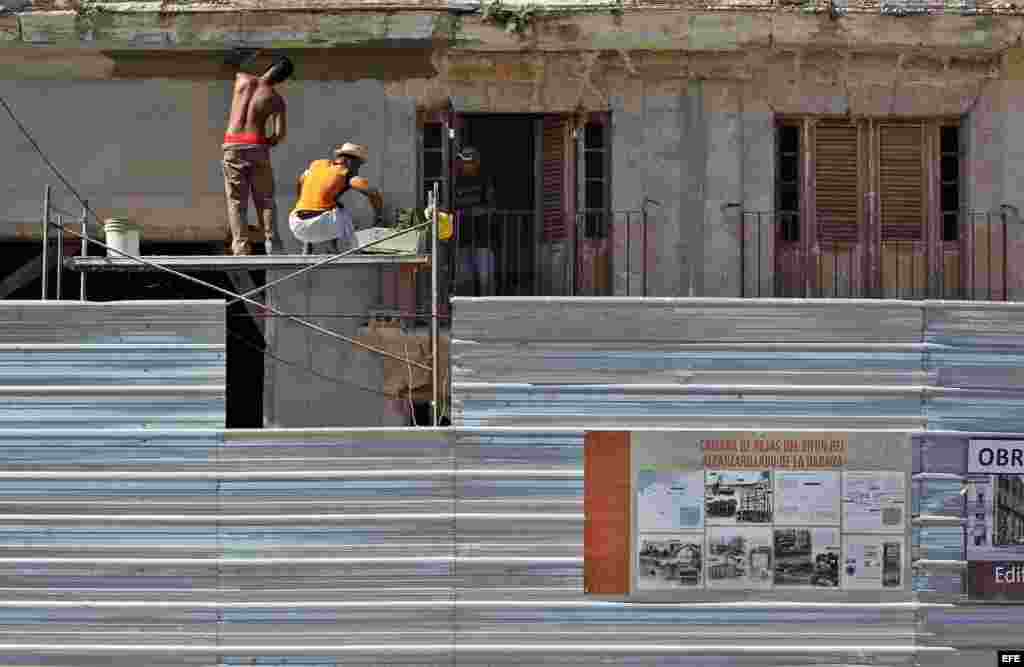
x=607 y=507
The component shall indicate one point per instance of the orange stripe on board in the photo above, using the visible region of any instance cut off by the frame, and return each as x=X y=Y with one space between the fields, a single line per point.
x=607 y=513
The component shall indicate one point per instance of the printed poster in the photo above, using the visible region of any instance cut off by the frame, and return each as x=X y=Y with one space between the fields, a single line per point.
x=740 y=558
x=669 y=499
x=807 y=557
x=670 y=562
x=873 y=562
x=874 y=501
x=737 y=497
x=807 y=498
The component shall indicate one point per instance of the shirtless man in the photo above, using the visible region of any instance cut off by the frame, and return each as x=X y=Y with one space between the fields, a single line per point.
x=246 y=162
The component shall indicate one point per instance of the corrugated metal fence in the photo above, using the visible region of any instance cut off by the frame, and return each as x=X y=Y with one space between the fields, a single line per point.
x=166 y=545
x=728 y=363
x=75 y=364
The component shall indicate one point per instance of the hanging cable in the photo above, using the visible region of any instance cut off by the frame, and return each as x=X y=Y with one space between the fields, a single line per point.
x=216 y=288
x=253 y=346
x=327 y=260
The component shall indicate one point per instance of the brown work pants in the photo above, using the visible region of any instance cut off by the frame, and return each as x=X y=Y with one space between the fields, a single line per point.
x=248 y=171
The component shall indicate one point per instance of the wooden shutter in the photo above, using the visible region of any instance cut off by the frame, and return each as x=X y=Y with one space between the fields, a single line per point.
x=836 y=187
x=553 y=179
x=901 y=182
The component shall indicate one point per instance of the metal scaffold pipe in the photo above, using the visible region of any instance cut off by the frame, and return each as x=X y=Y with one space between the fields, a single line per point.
x=434 y=261
x=60 y=254
x=85 y=245
x=46 y=241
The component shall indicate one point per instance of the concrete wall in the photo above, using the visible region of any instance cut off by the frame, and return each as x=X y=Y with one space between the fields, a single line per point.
x=659 y=152
x=691 y=132
x=150 y=149
x=317 y=380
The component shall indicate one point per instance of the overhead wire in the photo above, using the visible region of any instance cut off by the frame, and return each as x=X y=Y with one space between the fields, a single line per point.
x=253 y=346
x=216 y=288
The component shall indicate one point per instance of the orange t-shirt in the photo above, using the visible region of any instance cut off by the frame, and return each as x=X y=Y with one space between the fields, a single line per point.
x=321 y=185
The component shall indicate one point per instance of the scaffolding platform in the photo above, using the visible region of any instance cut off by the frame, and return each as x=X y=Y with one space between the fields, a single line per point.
x=244 y=263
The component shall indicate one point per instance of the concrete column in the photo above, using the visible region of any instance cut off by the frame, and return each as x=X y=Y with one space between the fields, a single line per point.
x=1013 y=171
x=658 y=154
x=721 y=258
x=758 y=193
x=985 y=174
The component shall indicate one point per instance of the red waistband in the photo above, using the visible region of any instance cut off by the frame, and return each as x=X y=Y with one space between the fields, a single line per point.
x=244 y=138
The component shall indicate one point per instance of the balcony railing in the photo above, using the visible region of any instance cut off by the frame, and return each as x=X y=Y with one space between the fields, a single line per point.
x=508 y=253
x=975 y=263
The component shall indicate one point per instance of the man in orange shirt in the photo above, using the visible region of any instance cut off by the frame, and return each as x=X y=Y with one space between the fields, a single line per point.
x=319 y=215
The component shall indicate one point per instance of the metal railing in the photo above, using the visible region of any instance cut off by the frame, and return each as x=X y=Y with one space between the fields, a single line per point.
x=972 y=264
x=506 y=253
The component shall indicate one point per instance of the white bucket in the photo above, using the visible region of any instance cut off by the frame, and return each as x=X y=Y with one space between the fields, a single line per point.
x=123 y=235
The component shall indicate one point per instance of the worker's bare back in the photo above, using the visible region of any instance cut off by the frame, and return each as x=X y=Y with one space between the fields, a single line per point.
x=253 y=102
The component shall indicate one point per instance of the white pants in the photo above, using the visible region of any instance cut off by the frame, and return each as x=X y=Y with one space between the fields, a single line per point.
x=328 y=226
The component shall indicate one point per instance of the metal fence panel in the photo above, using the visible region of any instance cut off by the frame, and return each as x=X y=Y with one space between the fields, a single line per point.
x=152 y=364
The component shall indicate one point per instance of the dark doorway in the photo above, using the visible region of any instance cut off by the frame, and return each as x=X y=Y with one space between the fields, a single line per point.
x=497 y=229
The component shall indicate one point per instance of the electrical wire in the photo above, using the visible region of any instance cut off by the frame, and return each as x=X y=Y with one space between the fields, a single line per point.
x=221 y=290
x=246 y=342
x=87 y=210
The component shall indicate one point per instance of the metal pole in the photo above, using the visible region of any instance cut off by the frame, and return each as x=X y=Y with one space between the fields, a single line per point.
x=643 y=255
x=743 y=253
x=46 y=238
x=574 y=259
x=1006 y=283
x=60 y=254
x=433 y=301
x=629 y=219
x=85 y=246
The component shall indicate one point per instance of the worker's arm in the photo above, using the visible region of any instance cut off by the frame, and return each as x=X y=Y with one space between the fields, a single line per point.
x=280 y=122
x=361 y=185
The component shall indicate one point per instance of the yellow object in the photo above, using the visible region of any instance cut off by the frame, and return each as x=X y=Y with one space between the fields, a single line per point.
x=321 y=184
x=445 y=228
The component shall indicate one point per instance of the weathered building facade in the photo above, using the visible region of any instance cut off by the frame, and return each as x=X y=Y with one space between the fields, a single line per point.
x=712 y=149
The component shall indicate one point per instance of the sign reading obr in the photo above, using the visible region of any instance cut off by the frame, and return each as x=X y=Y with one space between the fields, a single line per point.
x=996 y=457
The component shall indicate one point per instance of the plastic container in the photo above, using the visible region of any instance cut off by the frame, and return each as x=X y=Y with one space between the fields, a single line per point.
x=122 y=234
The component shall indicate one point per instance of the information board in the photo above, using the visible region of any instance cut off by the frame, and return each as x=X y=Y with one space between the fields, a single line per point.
x=754 y=511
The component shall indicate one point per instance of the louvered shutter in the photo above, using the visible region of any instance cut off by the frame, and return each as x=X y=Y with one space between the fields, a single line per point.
x=901 y=182
x=836 y=184
x=553 y=179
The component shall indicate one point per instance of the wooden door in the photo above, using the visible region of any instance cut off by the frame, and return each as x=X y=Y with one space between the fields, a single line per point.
x=837 y=224
x=903 y=214
x=556 y=204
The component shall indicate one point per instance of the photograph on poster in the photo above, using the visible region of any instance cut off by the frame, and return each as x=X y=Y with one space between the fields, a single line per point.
x=874 y=501
x=995 y=517
x=669 y=498
x=734 y=497
x=807 y=497
x=739 y=557
x=807 y=557
x=872 y=562
x=667 y=562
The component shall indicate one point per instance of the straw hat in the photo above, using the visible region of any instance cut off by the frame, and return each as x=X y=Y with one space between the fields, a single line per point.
x=353 y=150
